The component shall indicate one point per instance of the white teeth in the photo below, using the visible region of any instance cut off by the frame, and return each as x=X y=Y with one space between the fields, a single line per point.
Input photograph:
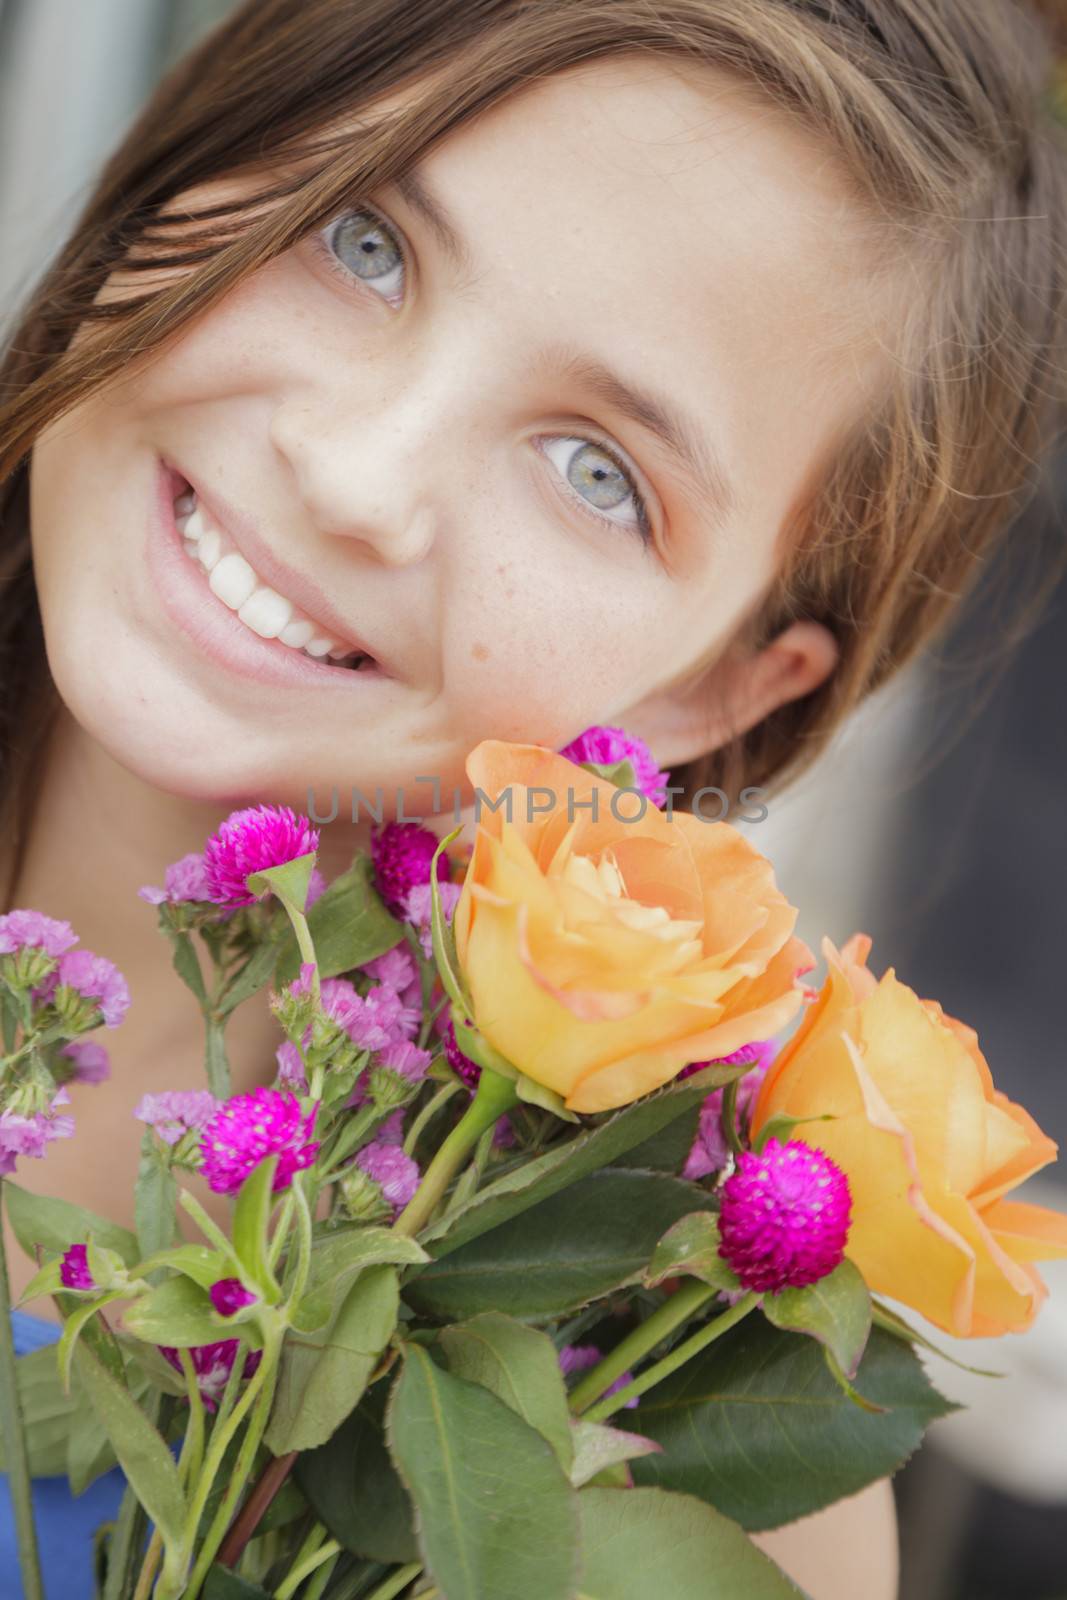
x=232 y=579
x=266 y=612
x=238 y=586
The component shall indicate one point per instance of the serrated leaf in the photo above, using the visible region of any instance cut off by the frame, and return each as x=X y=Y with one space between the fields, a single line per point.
x=598 y=1447
x=693 y=1552
x=355 y=1490
x=496 y=1515
x=337 y=1259
x=691 y=1249
x=836 y=1310
x=521 y=1367
x=38 y=1219
x=757 y=1426
x=575 y=1246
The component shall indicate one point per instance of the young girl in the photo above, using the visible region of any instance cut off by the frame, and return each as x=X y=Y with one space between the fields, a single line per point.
x=669 y=365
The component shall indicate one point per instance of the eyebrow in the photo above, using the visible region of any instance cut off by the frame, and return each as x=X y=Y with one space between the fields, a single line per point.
x=690 y=448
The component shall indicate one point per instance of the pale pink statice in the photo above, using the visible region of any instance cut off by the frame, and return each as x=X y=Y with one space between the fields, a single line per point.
x=212 y=1364
x=176 y=1112
x=91 y=1061
x=251 y=840
x=30 y=1134
x=395 y=968
x=391 y=1130
x=784 y=1217
x=418 y=909
x=291 y=1073
x=94 y=978
x=710 y=1152
x=249 y=1128
x=606 y=746
x=186 y=879
x=25 y=929
x=581 y=1358
x=395 y=1173
x=401 y=853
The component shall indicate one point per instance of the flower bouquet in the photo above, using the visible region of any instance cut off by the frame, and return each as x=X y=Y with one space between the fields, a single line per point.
x=539 y=1235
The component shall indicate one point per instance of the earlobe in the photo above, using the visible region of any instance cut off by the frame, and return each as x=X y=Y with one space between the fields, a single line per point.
x=682 y=722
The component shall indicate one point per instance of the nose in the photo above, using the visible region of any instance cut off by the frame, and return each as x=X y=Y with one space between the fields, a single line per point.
x=367 y=472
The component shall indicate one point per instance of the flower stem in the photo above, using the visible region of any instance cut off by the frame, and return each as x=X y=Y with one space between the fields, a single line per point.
x=396 y=1581
x=255 y=1507
x=494 y=1096
x=674 y=1311
x=14 y=1436
x=313 y=1553
x=670 y=1363
x=428 y=1111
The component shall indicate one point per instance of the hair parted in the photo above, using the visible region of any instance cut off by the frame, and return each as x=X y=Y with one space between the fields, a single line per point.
x=942 y=115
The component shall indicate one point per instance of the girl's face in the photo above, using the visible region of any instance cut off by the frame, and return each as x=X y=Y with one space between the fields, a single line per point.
x=535 y=458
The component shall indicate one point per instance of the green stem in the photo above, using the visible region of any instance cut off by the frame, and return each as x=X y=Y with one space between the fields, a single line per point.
x=428 y=1112
x=306 y=1565
x=397 y=1581
x=14 y=1436
x=728 y=1117
x=192 y=1453
x=304 y=942
x=351 y=1136
x=317 y=1587
x=676 y=1310
x=494 y=1096
x=670 y=1363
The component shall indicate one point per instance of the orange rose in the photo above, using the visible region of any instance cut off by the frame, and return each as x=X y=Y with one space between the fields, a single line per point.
x=604 y=955
x=929 y=1146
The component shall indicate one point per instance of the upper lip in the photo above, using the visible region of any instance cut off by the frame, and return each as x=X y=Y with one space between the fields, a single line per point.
x=303 y=591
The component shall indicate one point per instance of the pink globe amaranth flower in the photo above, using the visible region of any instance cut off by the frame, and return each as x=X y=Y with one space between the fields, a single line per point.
x=401 y=853
x=252 y=840
x=247 y=1129
x=395 y=968
x=710 y=1152
x=31 y=1134
x=74 y=1268
x=606 y=746
x=95 y=978
x=175 y=1112
x=468 y=1071
x=229 y=1295
x=213 y=1364
x=785 y=1216
x=183 y=880
x=582 y=1357
x=91 y=1061
x=395 y=1173
x=26 y=929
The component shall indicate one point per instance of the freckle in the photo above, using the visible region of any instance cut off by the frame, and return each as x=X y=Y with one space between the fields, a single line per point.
x=480 y=652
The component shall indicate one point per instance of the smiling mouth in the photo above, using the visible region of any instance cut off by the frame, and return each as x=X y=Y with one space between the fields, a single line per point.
x=263 y=610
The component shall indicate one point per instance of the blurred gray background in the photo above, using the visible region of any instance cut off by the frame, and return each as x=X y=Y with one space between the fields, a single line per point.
x=935 y=824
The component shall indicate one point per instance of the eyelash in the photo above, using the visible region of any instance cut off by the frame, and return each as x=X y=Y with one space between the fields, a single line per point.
x=322 y=247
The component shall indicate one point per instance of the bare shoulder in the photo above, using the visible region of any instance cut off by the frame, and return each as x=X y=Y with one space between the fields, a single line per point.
x=848 y=1549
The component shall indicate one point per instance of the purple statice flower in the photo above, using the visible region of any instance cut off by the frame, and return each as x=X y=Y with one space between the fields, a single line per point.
x=91 y=1061
x=74 y=1268
x=401 y=853
x=229 y=1295
x=418 y=909
x=30 y=1135
x=468 y=1071
x=606 y=746
x=247 y=1129
x=186 y=879
x=25 y=929
x=391 y=1130
x=213 y=1364
x=406 y=1060
x=710 y=1151
x=95 y=978
x=785 y=1216
x=395 y=968
x=316 y=888
x=291 y=1074
x=393 y=1076
x=252 y=840
x=581 y=1358
x=176 y=1112
x=396 y=1174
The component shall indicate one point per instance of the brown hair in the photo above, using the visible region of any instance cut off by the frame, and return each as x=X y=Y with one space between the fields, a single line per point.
x=940 y=111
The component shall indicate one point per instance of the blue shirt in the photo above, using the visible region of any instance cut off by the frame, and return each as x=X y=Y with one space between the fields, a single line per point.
x=66 y=1527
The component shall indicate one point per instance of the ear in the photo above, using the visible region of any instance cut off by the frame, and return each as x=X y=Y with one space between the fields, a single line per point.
x=687 y=720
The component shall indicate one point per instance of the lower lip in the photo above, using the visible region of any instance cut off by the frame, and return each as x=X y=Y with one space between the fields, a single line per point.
x=194 y=607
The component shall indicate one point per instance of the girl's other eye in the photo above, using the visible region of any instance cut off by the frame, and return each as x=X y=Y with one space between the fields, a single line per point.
x=598 y=479
x=361 y=244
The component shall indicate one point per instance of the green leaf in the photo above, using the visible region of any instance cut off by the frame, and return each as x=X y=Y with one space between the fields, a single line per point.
x=289 y=881
x=836 y=1310
x=186 y=965
x=757 y=1426
x=621 y=773
x=443 y=938
x=519 y=1365
x=142 y=1454
x=155 y=1196
x=694 y=1553
x=338 y=1258
x=37 y=1219
x=573 y=1247
x=691 y=1249
x=895 y=1324
x=178 y=1313
x=251 y=1218
x=48 y=1413
x=354 y=1488
x=222 y=1583
x=349 y=925
x=566 y=1163
x=323 y=1375
x=667 y=1150
x=496 y=1514
x=597 y=1448
x=75 y=1321
x=196 y=1261
x=781 y=1126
